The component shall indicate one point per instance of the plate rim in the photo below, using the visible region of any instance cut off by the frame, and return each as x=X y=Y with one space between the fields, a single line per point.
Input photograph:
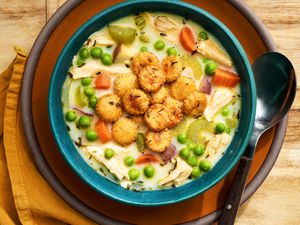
x=44 y=167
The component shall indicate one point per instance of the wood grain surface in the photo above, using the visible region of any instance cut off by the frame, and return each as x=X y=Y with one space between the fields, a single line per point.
x=277 y=202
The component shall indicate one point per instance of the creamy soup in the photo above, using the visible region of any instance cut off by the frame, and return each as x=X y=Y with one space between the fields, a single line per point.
x=151 y=101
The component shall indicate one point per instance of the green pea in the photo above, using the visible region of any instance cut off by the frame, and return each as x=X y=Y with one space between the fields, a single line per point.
x=133 y=174
x=84 y=121
x=149 y=171
x=86 y=81
x=89 y=91
x=91 y=135
x=184 y=153
x=79 y=62
x=106 y=59
x=192 y=161
x=109 y=153
x=228 y=130
x=203 y=35
x=129 y=161
x=143 y=49
x=171 y=51
x=71 y=116
x=225 y=111
x=181 y=138
x=93 y=101
x=210 y=68
x=84 y=53
x=220 y=128
x=96 y=52
x=159 y=45
x=196 y=172
x=199 y=150
x=205 y=165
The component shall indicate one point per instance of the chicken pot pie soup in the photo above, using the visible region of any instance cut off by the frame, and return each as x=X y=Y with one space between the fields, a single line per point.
x=151 y=101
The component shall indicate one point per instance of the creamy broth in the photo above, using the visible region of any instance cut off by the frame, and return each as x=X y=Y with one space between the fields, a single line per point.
x=74 y=99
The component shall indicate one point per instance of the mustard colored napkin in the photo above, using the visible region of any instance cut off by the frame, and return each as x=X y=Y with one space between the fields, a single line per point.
x=25 y=197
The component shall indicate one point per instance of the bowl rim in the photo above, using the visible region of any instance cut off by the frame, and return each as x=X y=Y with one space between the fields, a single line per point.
x=252 y=89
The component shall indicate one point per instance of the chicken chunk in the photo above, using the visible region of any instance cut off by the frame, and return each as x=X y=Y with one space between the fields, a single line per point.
x=87 y=70
x=179 y=175
x=217 y=144
x=90 y=68
x=124 y=54
x=220 y=98
x=210 y=49
x=115 y=164
x=100 y=39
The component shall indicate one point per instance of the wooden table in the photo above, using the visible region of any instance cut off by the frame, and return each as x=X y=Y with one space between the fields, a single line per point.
x=277 y=202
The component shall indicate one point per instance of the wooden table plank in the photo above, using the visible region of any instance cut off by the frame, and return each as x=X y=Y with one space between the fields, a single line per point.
x=20 y=23
x=52 y=6
x=277 y=201
x=282 y=18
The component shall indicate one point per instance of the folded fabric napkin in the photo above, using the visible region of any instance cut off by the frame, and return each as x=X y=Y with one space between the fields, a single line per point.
x=25 y=197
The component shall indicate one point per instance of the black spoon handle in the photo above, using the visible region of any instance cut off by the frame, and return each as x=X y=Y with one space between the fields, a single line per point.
x=235 y=194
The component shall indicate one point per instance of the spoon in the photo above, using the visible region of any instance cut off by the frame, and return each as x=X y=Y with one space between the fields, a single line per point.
x=276 y=88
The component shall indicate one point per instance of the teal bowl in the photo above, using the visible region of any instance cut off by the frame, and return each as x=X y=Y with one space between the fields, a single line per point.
x=159 y=197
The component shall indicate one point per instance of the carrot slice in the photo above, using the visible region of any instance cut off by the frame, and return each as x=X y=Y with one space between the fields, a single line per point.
x=187 y=39
x=225 y=78
x=146 y=158
x=103 y=131
x=102 y=81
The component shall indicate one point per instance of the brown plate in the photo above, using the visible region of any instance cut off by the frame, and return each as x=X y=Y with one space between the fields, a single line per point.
x=50 y=162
